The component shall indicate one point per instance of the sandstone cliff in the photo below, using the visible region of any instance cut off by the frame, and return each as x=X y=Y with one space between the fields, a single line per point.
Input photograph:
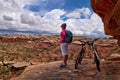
x=109 y=11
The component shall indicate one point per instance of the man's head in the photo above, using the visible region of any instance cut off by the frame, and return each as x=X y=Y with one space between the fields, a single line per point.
x=63 y=26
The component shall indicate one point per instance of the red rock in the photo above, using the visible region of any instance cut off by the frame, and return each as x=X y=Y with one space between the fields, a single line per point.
x=114 y=57
x=109 y=11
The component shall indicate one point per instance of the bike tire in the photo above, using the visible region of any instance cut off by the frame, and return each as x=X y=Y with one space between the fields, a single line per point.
x=97 y=61
x=79 y=58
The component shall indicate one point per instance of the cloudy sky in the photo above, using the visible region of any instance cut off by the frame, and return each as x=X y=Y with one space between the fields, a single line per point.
x=47 y=16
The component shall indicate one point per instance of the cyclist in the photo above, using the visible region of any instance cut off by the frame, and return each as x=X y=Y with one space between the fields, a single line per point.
x=64 y=46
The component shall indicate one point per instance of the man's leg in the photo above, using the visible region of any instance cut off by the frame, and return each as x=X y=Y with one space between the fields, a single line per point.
x=65 y=59
x=64 y=50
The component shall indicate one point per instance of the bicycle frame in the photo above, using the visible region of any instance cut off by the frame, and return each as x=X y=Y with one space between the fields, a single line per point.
x=82 y=52
x=81 y=55
x=94 y=48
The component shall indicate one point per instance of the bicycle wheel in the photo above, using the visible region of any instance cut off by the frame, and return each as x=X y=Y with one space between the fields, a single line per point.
x=79 y=58
x=97 y=61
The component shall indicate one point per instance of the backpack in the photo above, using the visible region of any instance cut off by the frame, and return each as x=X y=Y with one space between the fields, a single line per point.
x=69 y=36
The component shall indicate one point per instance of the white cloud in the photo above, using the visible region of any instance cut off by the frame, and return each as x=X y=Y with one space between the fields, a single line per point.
x=73 y=14
x=86 y=12
x=13 y=16
x=27 y=19
x=54 y=14
x=88 y=27
x=78 y=13
x=8 y=18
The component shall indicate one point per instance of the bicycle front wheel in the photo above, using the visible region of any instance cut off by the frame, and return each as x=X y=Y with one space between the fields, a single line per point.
x=97 y=61
x=79 y=58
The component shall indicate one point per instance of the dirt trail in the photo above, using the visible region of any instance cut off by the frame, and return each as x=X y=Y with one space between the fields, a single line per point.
x=110 y=70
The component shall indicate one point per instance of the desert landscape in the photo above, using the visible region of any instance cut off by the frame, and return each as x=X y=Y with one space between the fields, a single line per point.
x=30 y=51
x=19 y=52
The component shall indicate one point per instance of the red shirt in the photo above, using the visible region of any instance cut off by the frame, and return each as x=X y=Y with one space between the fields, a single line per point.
x=63 y=35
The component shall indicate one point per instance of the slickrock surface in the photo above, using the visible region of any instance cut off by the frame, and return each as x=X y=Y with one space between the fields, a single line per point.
x=110 y=70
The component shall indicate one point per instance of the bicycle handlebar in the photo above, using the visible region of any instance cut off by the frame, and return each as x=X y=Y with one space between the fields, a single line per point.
x=89 y=42
x=96 y=39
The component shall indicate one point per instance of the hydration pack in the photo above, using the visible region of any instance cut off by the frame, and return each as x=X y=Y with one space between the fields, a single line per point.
x=69 y=36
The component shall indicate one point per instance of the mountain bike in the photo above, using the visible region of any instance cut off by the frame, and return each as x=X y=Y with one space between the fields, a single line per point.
x=80 y=55
x=82 y=52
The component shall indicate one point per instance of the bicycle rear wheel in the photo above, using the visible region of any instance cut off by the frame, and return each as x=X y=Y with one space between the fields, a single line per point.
x=97 y=61
x=79 y=58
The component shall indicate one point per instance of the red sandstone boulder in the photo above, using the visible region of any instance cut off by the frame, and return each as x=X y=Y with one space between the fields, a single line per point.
x=109 y=11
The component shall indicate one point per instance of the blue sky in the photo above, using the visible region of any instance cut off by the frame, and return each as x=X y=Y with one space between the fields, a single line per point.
x=67 y=5
x=47 y=16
